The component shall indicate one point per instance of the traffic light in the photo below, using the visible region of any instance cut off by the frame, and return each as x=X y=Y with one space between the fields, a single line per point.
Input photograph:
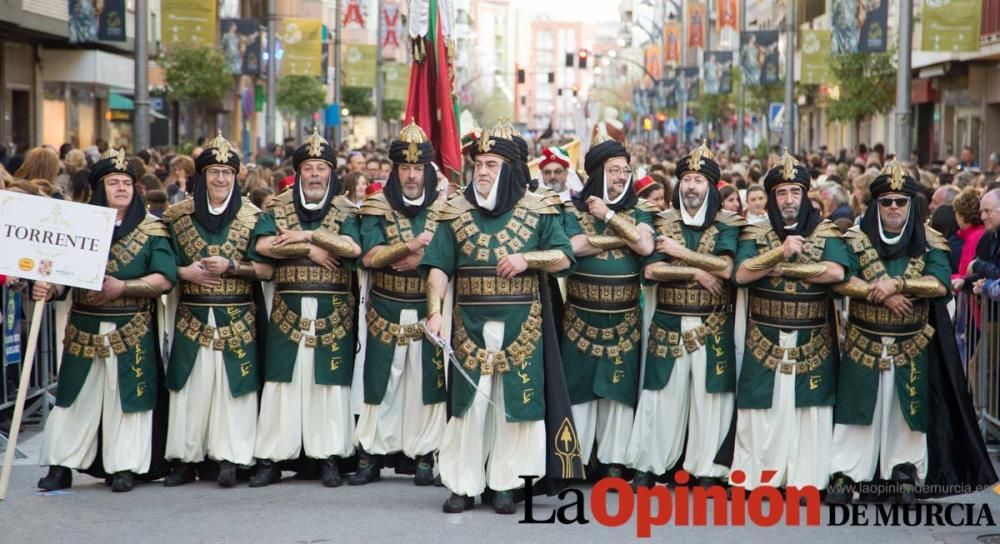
x=647 y=123
x=583 y=54
x=661 y=117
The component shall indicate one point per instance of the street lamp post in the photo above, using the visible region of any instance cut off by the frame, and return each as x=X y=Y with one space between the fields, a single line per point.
x=338 y=29
x=788 y=136
x=903 y=77
x=741 y=112
x=140 y=121
x=270 y=119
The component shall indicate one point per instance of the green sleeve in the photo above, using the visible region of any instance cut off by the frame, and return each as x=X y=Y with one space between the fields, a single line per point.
x=745 y=249
x=936 y=264
x=440 y=253
x=372 y=232
x=853 y=264
x=162 y=258
x=552 y=235
x=727 y=240
x=265 y=227
x=642 y=216
x=571 y=225
x=835 y=251
x=351 y=228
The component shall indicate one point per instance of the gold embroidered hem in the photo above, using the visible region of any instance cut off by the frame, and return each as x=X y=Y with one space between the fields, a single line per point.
x=394 y=284
x=230 y=286
x=80 y=298
x=868 y=352
x=120 y=340
x=801 y=359
x=877 y=319
x=296 y=327
x=663 y=342
x=236 y=334
x=516 y=354
x=610 y=342
x=622 y=290
x=783 y=310
x=690 y=299
x=306 y=271
x=390 y=333
x=474 y=285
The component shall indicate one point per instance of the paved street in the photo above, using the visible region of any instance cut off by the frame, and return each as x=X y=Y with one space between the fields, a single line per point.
x=392 y=510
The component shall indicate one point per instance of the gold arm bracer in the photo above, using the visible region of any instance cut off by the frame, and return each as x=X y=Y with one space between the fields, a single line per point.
x=605 y=241
x=666 y=272
x=389 y=254
x=434 y=303
x=705 y=262
x=291 y=251
x=853 y=289
x=801 y=271
x=628 y=231
x=923 y=288
x=139 y=288
x=538 y=260
x=337 y=244
x=766 y=260
x=244 y=269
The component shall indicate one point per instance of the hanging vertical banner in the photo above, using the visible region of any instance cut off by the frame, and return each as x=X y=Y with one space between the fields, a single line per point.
x=764 y=14
x=951 y=25
x=301 y=42
x=189 y=22
x=729 y=14
x=82 y=21
x=354 y=16
x=241 y=45
x=111 y=21
x=652 y=62
x=359 y=65
x=759 y=57
x=696 y=24
x=859 y=27
x=687 y=83
x=392 y=30
x=816 y=57
x=672 y=41
x=397 y=80
x=717 y=77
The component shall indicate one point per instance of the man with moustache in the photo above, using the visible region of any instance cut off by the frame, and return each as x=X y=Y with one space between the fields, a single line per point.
x=611 y=231
x=492 y=242
x=403 y=377
x=896 y=399
x=110 y=375
x=311 y=233
x=787 y=382
x=690 y=375
x=212 y=375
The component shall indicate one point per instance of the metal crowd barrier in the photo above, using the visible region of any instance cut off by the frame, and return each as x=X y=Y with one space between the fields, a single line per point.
x=41 y=388
x=977 y=330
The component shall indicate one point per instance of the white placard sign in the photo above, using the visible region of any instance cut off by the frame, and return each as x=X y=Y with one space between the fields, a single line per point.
x=47 y=239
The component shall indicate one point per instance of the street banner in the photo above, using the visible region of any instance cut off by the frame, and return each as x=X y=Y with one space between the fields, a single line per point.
x=671 y=42
x=111 y=21
x=764 y=14
x=82 y=21
x=397 y=80
x=696 y=24
x=189 y=22
x=392 y=30
x=728 y=14
x=651 y=60
x=241 y=44
x=816 y=57
x=859 y=26
x=759 y=57
x=302 y=43
x=717 y=76
x=951 y=25
x=55 y=241
x=688 y=87
x=359 y=65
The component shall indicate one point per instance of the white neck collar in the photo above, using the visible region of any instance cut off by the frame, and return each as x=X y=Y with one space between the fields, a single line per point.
x=490 y=201
x=618 y=198
x=417 y=201
x=891 y=240
x=698 y=219
x=314 y=205
x=220 y=209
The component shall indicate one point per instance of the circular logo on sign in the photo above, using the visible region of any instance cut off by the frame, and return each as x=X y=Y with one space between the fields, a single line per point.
x=26 y=264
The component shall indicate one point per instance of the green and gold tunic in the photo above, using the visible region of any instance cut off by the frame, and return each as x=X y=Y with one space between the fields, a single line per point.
x=602 y=340
x=231 y=302
x=143 y=251
x=783 y=304
x=862 y=362
x=391 y=293
x=467 y=246
x=678 y=299
x=296 y=279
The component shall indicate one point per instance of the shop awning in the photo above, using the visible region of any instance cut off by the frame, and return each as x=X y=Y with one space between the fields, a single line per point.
x=119 y=102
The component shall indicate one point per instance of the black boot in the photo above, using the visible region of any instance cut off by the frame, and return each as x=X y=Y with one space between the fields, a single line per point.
x=57 y=478
x=503 y=502
x=425 y=470
x=642 y=479
x=267 y=474
x=841 y=490
x=330 y=472
x=123 y=482
x=904 y=476
x=182 y=473
x=368 y=470
x=227 y=474
x=456 y=504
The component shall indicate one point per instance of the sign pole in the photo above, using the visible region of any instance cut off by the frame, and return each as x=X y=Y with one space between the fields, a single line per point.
x=22 y=391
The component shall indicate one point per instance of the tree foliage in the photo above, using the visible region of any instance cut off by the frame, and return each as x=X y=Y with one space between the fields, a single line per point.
x=867 y=84
x=392 y=110
x=358 y=100
x=300 y=96
x=196 y=75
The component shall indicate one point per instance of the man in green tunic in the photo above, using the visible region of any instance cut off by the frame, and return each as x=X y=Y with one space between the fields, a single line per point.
x=787 y=382
x=899 y=268
x=690 y=375
x=404 y=383
x=311 y=233
x=213 y=375
x=611 y=230
x=492 y=241
x=108 y=376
